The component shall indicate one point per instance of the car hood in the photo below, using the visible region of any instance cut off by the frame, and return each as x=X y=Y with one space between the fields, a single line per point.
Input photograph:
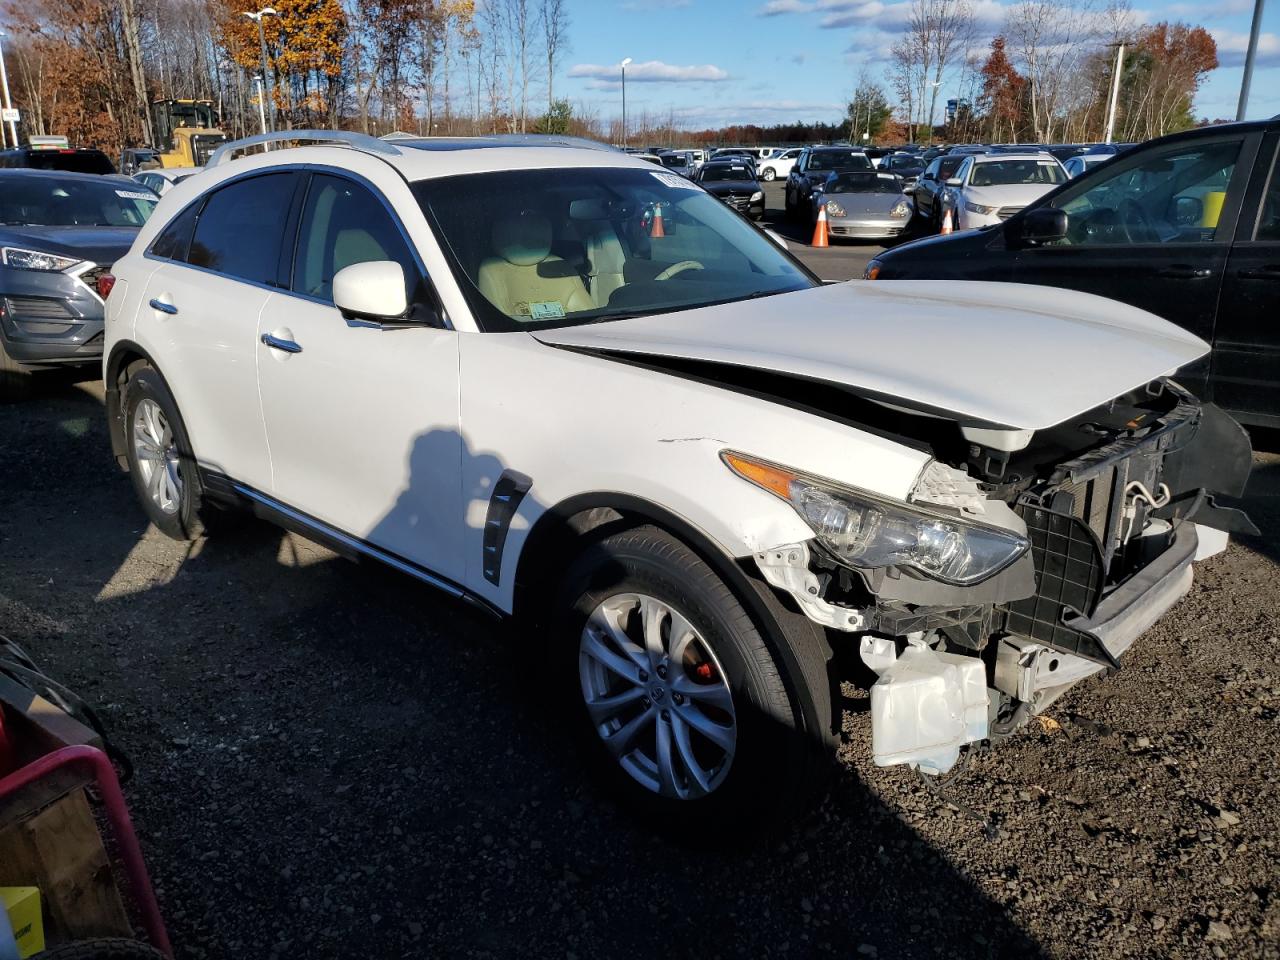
x=1009 y=194
x=104 y=245
x=994 y=354
x=856 y=204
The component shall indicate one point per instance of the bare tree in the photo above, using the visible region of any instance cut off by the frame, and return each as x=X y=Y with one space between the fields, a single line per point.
x=1051 y=40
x=554 y=19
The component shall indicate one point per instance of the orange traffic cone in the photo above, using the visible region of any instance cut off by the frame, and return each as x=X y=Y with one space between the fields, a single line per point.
x=820 y=229
x=655 y=228
x=946 y=223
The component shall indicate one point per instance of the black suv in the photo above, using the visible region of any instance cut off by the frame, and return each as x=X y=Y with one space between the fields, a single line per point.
x=812 y=168
x=1186 y=226
x=71 y=159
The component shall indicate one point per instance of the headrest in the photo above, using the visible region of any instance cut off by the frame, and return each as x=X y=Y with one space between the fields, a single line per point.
x=523 y=240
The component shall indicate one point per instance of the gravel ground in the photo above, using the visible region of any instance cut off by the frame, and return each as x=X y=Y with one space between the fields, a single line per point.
x=334 y=762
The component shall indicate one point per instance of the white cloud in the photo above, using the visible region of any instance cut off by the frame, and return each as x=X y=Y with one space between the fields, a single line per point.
x=651 y=71
x=1232 y=47
x=775 y=8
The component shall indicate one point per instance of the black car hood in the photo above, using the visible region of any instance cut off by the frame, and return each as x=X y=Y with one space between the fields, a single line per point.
x=104 y=245
x=722 y=188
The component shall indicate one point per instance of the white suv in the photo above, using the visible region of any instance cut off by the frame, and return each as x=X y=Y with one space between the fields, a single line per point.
x=564 y=386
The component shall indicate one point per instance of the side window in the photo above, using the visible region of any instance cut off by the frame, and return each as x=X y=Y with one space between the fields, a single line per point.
x=1269 y=219
x=1174 y=195
x=238 y=232
x=175 y=238
x=343 y=223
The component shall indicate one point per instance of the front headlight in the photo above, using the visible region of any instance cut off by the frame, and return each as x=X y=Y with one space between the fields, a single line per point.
x=862 y=530
x=901 y=209
x=758 y=195
x=979 y=208
x=834 y=209
x=34 y=259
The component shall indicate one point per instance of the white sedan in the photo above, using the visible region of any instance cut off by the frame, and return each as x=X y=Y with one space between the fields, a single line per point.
x=778 y=164
x=566 y=387
x=989 y=188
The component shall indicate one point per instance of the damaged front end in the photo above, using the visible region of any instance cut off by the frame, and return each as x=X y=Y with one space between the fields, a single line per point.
x=1022 y=563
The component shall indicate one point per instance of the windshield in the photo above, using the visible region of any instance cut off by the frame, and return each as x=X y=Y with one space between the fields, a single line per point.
x=674 y=160
x=998 y=173
x=906 y=165
x=57 y=202
x=864 y=182
x=838 y=160
x=564 y=247
x=727 y=171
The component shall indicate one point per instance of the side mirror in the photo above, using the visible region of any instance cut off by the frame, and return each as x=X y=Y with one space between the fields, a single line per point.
x=373 y=290
x=1041 y=225
x=776 y=238
x=954 y=182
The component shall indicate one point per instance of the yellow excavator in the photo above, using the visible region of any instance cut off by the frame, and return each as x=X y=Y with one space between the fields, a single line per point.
x=186 y=132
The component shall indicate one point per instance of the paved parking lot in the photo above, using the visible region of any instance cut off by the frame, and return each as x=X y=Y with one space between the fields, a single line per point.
x=335 y=762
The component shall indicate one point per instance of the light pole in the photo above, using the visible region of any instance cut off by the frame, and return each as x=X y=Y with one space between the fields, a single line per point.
x=262 y=114
x=1248 y=60
x=8 y=104
x=1115 y=91
x=624 y=100
x=262 y=42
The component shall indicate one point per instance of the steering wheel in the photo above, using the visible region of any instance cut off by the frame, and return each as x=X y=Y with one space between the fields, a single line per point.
x=678 y=268
x=1135 y=223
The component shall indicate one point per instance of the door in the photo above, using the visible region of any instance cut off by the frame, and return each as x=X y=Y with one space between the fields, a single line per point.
x=1246 y=349
x=362 y=419
x=1152 y=229
x=200 y=312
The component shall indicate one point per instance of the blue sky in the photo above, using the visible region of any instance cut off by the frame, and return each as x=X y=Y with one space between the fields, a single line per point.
x=763 y=61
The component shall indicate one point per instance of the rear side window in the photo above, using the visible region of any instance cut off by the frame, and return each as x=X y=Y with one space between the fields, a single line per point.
x=1269 y=221
x=238 y=232
x=175 y=238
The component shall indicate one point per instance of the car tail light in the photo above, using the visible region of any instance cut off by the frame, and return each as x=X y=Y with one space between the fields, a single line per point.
x=104 y=285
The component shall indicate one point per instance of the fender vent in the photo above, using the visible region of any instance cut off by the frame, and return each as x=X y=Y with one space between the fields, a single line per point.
x=507 y=494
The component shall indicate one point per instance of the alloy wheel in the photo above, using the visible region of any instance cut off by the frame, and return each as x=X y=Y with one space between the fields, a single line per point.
x=657 y=696
x=156 y=453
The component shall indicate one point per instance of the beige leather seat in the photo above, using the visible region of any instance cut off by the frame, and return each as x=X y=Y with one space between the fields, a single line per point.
x=524 y=272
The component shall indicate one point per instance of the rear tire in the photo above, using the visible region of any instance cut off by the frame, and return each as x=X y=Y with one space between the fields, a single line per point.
x=161 y=462
x=768 y=175
x=743 y=750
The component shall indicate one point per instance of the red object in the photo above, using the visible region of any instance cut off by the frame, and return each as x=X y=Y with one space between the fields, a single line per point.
x=95 y=762
x=946 y=223
x=655 y=228
x=820 y=238
x=105 y=284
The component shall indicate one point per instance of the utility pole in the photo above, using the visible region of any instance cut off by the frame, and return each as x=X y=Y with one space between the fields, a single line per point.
x=262 y=41
x=262 y=116
x=8 y=104
x=624 y=100
x=1249 y=57
x=1114 y=100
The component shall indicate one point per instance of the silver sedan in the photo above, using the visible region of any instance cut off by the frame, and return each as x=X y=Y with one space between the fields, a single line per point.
x=863 y=204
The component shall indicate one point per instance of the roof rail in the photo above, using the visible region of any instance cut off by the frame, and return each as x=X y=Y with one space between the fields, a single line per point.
x=356 y=141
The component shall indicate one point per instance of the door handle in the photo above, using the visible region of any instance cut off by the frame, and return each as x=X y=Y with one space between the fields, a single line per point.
x=158 y=304
x=276 y=343
x=1184 y=271
x=1270 y=272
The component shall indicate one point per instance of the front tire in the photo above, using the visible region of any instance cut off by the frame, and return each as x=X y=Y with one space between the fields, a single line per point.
x=15 y=378
x=161 y=462
x=684 y=706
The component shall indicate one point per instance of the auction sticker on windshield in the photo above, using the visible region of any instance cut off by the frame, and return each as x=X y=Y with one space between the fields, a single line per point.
x=674 y=181
x=135 y=195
